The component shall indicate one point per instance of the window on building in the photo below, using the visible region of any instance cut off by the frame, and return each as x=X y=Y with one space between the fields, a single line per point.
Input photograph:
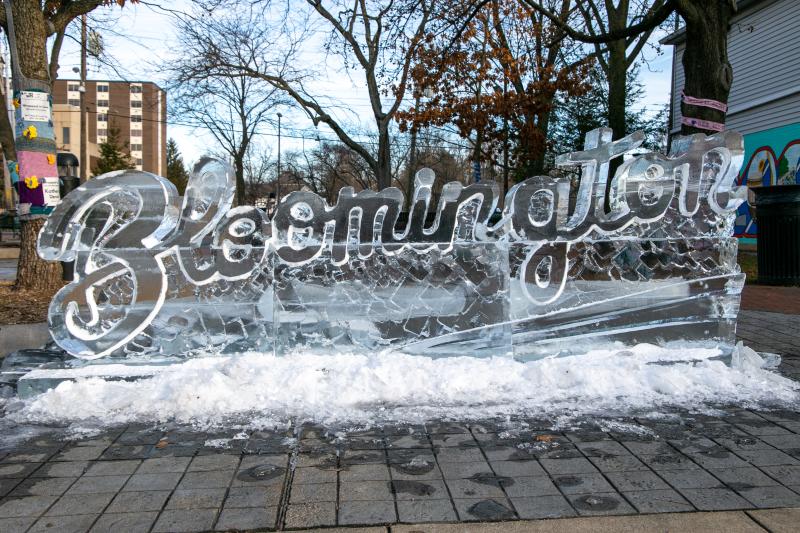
x=136 y=89
x=74 y=101
x=102 y=132
x=102 y=103
x=73 y=87
x=139 y=161
x=136 y=103
x=136 y=118
x=102 y=117
x=136 y=147
x=136 y=133
x=65 y=135
x=102 y=88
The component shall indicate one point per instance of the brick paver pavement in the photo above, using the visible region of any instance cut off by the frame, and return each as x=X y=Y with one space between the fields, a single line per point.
x=138 y=478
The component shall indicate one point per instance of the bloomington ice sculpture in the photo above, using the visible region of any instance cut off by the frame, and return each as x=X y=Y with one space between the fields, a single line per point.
x=558 y=273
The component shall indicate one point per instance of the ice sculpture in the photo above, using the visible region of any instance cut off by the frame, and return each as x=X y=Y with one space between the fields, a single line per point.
x=567 y=266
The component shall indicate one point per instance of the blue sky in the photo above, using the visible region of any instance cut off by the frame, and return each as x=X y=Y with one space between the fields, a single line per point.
x=144 y=36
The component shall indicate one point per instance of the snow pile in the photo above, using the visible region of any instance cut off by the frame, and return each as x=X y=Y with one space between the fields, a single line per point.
x=260 y=390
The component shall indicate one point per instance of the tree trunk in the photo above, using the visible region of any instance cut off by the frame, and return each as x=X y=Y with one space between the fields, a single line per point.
x=705 y=60
x=238 y=168
x=31 y=42
x=33 y=273
x=617 y=89
x=384 y=170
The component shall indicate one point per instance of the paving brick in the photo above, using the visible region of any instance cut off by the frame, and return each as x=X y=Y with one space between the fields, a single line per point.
x=602 y=448
x=62 y=469
x=453 y=440
x=26 y=506
x=364 y=490
x=518 y=468
x=469 y=489
x=17 y=470
x=636 y=480
x=743 y=478
x=408 y=441
x=718 y=459
x=534 y=508
x=417 y=511
x=125 y=522
x=671 y=461
x=363 y=457
x=115 y=452
x=181 y=520
x=464 y=470
x=12 y=525
x=417 y=469
x=405 y=490
x=484 y=509
x=459 y=455
x=245 y=519
x=80 y=453
x=774 y=496
x=767 y=457
x=690 y=479
x=146 y=482
x=368 y=472
x=532 y=486
x=307 y=515
x=112 y=468
x=206 y=480
x=582 y=483
x=163 y=465
x=72 y=504
x=258 y=496
x=600 y=504
x=578 y=465
x=313 y=475
x=715 y=499
x=656 y=447
x=787 y=475
x=136 y=502
x=55 y=486
x=207 y=463
x=658 y=501
x=619 y=463
x=366 y=512
x=314 y=492
x=92 y=484
x=64 y=524
x=30 y=456
x=196 y=499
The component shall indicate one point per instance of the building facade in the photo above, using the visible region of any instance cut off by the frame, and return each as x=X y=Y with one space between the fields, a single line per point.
x=137 y=109
x=764 y=101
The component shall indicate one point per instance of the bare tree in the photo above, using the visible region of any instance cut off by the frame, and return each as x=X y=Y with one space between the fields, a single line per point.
x=232 y=108
x=372 y=40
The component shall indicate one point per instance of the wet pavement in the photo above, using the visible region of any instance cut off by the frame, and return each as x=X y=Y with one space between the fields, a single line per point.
x=169 y=478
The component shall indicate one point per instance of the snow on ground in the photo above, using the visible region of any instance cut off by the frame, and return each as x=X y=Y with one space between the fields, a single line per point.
x=259 y=390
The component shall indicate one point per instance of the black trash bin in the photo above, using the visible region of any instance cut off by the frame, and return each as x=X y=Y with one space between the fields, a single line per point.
x=778 y=220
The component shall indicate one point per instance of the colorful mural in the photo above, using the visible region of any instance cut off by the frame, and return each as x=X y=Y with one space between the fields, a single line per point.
x=764 y=168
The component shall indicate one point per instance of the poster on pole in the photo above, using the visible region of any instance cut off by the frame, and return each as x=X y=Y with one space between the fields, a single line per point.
x=35 y=106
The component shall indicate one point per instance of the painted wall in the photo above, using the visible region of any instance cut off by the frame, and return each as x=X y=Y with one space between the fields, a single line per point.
x=772 y=157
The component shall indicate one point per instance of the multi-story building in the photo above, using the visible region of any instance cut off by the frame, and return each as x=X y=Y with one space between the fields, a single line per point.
x=138 y=109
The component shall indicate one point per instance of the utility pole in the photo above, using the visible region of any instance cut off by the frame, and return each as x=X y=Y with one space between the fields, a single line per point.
x=278 y=180
x=84 y=158
x=505 y=139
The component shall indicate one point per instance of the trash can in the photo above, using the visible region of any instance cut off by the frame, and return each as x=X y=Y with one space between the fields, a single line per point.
x=778 y=219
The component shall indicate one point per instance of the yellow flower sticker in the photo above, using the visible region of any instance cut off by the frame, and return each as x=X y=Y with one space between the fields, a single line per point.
x=30 y=132
x=32 y=182
x=15 y=101
x=51 y=159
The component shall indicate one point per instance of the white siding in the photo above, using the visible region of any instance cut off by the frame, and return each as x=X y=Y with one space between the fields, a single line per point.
x=766 y=71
